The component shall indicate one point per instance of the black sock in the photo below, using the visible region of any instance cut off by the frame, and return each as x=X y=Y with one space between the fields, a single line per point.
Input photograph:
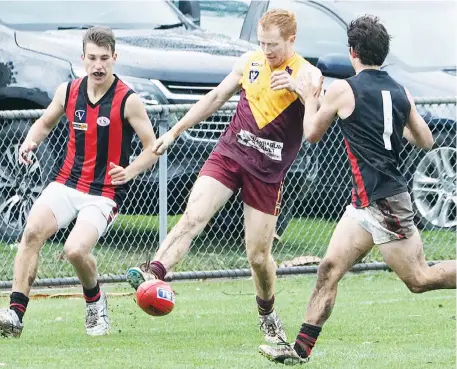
x=306 y=339
x=157 y=268
x=92 y=295
x=18 y=303
x=265 y=307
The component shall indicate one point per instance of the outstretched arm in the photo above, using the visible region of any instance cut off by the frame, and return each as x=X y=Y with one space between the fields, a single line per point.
x=214 y=99
x=44 y=125
x=316 y=122
x=205 y=107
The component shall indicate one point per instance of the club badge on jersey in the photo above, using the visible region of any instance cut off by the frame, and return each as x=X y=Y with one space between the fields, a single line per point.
x=253 y=75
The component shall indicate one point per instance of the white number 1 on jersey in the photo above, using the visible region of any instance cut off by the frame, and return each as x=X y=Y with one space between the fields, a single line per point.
x=387 y=112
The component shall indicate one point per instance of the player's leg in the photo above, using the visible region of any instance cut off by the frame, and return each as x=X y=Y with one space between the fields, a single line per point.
x=261 y=209
x=404 y=253
x=406 y=259
x=96 y=214
x=213 y=188
x=260 y=229
x=207 y=197
x=50 y=212
x=349 y=243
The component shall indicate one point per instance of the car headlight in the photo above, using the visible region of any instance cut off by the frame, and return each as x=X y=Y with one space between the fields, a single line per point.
x=145 y=89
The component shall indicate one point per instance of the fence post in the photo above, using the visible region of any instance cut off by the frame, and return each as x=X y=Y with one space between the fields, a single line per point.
x=163 y=178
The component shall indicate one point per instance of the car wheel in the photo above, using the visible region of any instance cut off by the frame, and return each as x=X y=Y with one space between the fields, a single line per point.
x=433 y=184
x=20 y=185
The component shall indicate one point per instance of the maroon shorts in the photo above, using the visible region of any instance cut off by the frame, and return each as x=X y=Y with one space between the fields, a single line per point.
x=265 y=197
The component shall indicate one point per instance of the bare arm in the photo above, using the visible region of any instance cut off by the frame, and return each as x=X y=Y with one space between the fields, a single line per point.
x=308 y=70
x=137 y=116
x=44 y=125
x=316 y=122
x=214 y=99
x=417 y=131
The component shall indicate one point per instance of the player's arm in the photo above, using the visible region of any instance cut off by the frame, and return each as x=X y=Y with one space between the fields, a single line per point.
x=317 y=78
x=316 y=122
x=283 y=80
x=416 y=130
x=44 y=125
x=206 y=106
x=135 y=113
x=214 y=99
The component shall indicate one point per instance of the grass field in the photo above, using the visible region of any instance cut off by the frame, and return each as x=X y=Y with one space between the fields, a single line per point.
x=377 y=323
x=133 y=237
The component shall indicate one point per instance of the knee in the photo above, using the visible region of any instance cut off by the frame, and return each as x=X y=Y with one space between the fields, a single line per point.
x=327 y=272
x=258 y=257
x=34 y=235
x=74 y=251
x=417 y=284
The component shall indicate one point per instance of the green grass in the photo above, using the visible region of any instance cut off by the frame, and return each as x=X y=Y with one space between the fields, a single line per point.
x=134 y=237
x=376 y=323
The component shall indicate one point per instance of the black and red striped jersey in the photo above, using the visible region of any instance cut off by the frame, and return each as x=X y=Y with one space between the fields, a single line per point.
x=99 y=135
x=373 y=136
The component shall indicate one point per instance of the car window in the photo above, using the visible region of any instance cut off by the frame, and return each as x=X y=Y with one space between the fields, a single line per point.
x=116 y=14
x=225 y=17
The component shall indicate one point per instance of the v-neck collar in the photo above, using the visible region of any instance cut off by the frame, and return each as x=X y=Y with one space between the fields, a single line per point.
x=99 y=101
x=283 y=64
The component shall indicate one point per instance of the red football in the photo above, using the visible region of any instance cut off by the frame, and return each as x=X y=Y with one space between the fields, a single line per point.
x=155 y=297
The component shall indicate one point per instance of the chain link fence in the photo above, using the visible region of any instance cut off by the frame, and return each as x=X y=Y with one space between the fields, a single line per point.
x=317 y=188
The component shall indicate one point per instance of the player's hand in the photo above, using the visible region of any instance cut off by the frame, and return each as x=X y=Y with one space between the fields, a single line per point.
x=119 y=175
x=282 y=79
x=310 y=86
x=162 y=143
x=26 y=147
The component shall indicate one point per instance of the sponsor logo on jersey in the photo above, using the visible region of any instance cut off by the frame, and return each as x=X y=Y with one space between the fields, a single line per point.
x=272 y=149
x=79 y=126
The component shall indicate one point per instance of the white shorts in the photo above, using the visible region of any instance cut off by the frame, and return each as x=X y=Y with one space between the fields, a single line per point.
x=389 y=219
x=67 y=204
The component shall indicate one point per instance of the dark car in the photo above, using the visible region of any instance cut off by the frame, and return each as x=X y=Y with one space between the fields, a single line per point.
x=422 y=58
x=162 y=55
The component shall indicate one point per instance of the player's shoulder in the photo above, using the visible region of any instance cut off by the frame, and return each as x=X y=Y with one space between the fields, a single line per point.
x=340 y=90
x=339 y=85
x=126 y=90
x=62 y=92
x=307 y=68
x=248 y=56
x=123 y=86
x=132 y=100
x=252 y=54
x=62 y=88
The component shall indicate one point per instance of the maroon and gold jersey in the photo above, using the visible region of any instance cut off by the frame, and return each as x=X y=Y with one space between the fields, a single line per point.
x=266 y=131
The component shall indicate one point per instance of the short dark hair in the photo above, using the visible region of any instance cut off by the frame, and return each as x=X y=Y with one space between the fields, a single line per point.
x=369 y=40
x=100 y=36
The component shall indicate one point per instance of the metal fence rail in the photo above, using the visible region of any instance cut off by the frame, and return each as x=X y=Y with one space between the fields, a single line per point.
x=317 y=189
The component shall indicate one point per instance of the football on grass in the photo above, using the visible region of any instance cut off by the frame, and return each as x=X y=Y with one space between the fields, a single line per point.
x=155 y=297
